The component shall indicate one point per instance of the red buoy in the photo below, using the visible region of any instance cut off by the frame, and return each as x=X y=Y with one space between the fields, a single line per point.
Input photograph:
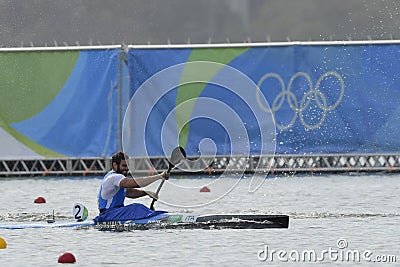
x=66 y=258
x=39 y=200
x=205 y=189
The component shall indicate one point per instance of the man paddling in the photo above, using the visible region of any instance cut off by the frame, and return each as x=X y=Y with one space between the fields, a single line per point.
x=115 y=186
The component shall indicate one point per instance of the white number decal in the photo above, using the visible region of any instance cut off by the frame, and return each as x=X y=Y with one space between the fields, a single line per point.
x=78 y=212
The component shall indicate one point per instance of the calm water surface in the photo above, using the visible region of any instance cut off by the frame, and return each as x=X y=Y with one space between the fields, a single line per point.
x=330 y=215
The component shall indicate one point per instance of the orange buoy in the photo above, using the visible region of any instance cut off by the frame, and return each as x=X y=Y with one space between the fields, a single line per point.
x=205 y=189
x=39 y=200
x=3 y=243
x=45 y=172
x=66 y=258
x=150 y=171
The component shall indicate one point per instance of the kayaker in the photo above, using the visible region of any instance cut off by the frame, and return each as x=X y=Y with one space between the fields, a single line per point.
x=115 y=186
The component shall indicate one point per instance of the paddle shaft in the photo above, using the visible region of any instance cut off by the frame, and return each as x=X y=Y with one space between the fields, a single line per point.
x=158 y=191
x=159 y=187
x=161 y=184
x=177 y=155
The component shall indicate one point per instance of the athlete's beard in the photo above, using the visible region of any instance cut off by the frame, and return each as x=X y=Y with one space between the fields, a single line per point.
x=121 y=171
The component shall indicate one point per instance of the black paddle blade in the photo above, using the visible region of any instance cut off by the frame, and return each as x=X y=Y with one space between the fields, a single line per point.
x=177 y=155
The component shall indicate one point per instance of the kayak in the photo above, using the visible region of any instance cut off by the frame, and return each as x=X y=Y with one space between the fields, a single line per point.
x=138 y=216
x=172 y=221
x=46 y=225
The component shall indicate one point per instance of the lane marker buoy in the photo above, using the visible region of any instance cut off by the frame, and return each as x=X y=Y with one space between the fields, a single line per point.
x=3 y=243
x=66 y=257
x=45 y=172
x=150 y=171
x=205 y=189
x=39 y=200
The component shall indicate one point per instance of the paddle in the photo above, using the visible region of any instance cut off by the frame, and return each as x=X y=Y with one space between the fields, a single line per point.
x=177 y=155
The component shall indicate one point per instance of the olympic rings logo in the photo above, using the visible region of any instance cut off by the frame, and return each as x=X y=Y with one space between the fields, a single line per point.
x=313 y=93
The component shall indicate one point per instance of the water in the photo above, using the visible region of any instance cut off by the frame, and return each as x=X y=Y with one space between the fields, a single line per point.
x=325 y=211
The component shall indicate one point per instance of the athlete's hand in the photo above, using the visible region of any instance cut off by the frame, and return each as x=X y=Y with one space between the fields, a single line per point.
x=164 y=175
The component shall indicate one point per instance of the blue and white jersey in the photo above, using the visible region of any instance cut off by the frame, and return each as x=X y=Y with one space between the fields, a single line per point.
x=111 y=195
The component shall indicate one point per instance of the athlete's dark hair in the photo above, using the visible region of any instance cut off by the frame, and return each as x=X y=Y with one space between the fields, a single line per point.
x=118 y=157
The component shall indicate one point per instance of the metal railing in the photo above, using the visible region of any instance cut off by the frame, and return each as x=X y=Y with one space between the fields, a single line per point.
x=277 y=164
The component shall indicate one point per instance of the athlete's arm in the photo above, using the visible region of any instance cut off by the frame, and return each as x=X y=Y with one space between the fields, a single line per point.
x=135 y=193
x=142 y=182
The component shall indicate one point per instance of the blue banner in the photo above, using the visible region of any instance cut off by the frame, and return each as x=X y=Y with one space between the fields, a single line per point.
x=81 y=119
x=295 y=99
x=323 y=99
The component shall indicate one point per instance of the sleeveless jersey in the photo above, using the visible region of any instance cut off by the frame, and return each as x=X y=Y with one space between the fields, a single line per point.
x=110 y=194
